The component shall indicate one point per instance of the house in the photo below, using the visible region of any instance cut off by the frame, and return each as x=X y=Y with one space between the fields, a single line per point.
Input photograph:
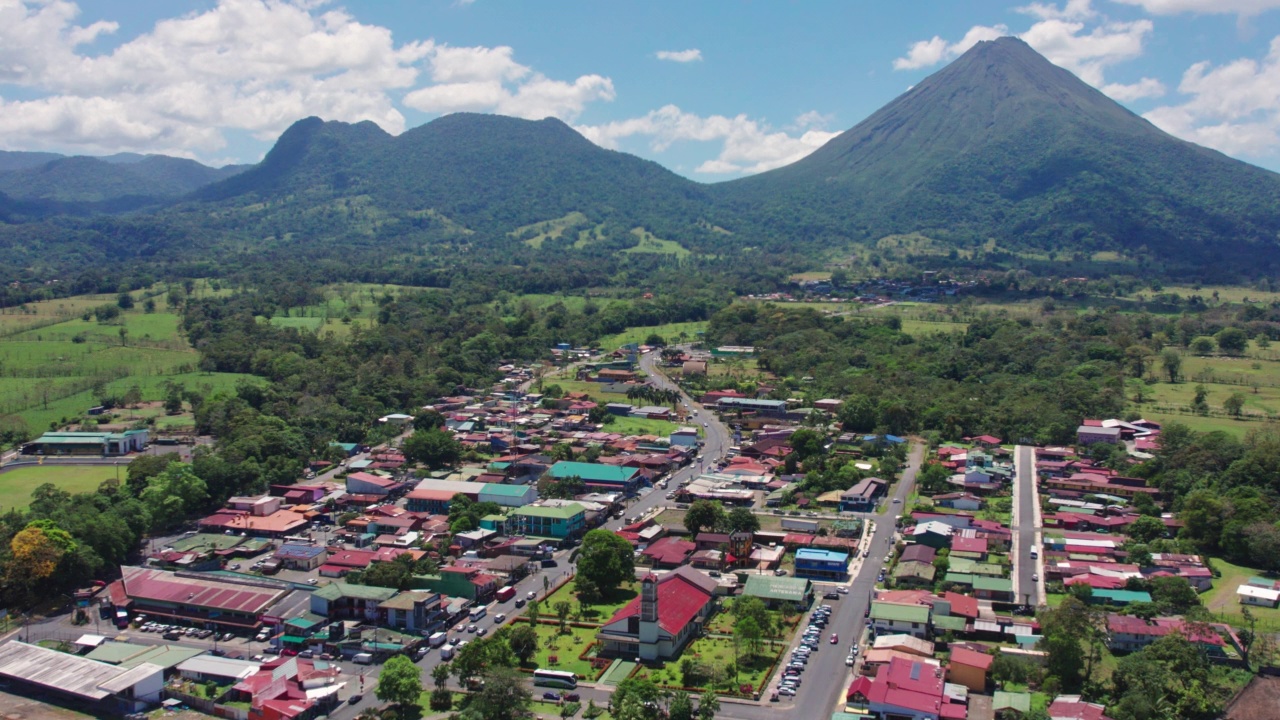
x=1071 y=707
x=260 y=505
x=907 y=689
x=1258 y=699
x=958 y=501
x=1089 y=434
x=669 y=552
x=1119 y=598
x=1260 y=596
x=543 y=521
x=88 y=685
x=363 y=483
x=286 y=688
x=992 y=588
x=766 y=408
x=296 y=556
x=434 y=496
x=932 y=533
x=903 y=643
x=918 y=553
x=893 y=618
x=1128 y=633
x=684 y=437
x=1016 y=704
x=508 y=495
x=343 y=601
x=862 y=496
x=913 y=574
x=776 y=592
x=278 y=524
x=414 y=611
x=821 y=564
x=969 y=668
x=668 y=613
x=830 y=405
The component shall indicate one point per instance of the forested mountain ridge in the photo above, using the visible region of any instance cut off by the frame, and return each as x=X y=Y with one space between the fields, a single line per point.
x=1000 y=145
x=1003 y=144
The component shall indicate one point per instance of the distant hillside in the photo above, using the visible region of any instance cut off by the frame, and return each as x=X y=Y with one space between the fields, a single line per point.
x=82 y=179
x=1003 y=144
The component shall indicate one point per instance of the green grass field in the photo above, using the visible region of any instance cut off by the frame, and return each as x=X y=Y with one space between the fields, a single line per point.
x=16 y=485
x=649 y=243
x=550 y=229
x=1222 y=601
x=641 y=426
x=671 y=332
x=564 y=648
x=597 y=613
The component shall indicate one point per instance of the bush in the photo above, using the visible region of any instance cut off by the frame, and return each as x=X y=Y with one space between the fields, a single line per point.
x=570 y=709
x=441 y=700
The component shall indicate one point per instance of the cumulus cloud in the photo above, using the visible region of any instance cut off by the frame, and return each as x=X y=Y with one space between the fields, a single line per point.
x=1205 y=7
x=1233 y=107
x=252 y=66
x=1070 y=35
x=748 y=146
x=680 y=56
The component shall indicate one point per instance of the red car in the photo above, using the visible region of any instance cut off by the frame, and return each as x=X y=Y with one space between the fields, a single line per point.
x=834 y=638
x=288 y=651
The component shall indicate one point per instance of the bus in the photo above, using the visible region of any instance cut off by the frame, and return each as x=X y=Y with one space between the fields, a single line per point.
x=555 y=678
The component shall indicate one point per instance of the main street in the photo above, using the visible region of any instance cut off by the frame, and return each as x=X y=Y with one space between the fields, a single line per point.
x=1026 y=589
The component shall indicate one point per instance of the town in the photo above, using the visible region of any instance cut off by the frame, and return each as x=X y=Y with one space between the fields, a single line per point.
x=634 y=529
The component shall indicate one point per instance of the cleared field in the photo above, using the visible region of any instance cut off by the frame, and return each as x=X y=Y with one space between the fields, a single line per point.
x=1223 y=603
x=650 y=243
x=1206 y=424
x=1225 y=293
x=16 y=485
x=670 y=332
x=641 y=426
x=549 y=229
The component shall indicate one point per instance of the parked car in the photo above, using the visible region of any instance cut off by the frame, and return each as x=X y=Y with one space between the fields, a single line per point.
x=551 y=696
x=779 y=572
x=831 y=595
x=835 y=639
x=572 y=697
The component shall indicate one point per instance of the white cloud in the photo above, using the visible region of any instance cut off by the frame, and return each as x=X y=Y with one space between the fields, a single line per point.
x=1205 y=7
x=680 y=56
x=1064 y=37
x=1072 y=10
x=927 y=53
x=1234 y=107
x=1144 y=88
x=481 y=79
x=748 y=146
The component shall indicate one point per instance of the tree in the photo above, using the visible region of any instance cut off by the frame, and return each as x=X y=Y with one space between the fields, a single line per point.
x=708 y=706
x=534 y=607
x=806 y=443
x=565 y=488
x=563 y=609
x=1234 y=404
x=636 y=699
x=523 y=640
x=749 y=606
x=741 y=519
x=503 y=697
x=747 y=631
x=434 y=448
x=1172 y=363
x=173 y=495
x=1145 y=529
x=399 y=683
x=36 y=552
x=1174 y=595
x=145 y=467
x=1232 y=341
x=606 y=559
x=704 y=515
x=440 y=675
x=680 y=707
x=1202 y=346
x=480 y=655
x=124 y=300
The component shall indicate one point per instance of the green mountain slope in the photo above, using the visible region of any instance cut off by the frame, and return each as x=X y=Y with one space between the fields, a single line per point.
x=83 y=179
x=1003 y=144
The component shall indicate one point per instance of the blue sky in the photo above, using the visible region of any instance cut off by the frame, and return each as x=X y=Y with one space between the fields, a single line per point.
x=712 y=90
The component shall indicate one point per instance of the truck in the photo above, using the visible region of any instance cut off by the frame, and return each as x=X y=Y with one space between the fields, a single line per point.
x=363 y=659
x=506 y=593
x=437 y=639
x=446 y=652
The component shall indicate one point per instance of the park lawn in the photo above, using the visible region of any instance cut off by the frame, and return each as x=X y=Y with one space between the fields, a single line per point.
x=596 y=613
x=718 y=652
x=1221 y=599
x=641 y=426
x=16 y=485
x=564 y=648
x=672 y=333
x=722 y=622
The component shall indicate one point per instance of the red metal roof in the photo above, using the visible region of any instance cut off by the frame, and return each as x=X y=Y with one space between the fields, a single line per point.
x=964 y=656
x=145 y=584
x=680 y=599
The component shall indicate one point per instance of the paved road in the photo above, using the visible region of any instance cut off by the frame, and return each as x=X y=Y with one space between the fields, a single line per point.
x=1025 y=525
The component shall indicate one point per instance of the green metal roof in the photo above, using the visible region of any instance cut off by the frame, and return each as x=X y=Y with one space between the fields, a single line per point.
x=958 y=578
x=558 y=513
x=899 y=613
x=339 y=589
x=515 y=491
x=914 y=569
x=992 y=584
x=293 y=639
x=1019 y=701
x=948 y=622
x=770 y=587
x=1125 y=596
x=593 y=472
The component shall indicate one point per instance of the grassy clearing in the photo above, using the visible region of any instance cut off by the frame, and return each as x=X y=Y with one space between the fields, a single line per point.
x=549 y=229
x=812 y=275
x=641 y=426
x=719 y=653
x=1205 y=424
x=1225 y=293
x=596 y=613
x=1222 y=601
x=564 y=648
x=16 y=485
x=650 y=243
x=592 y=389
x=670 y=332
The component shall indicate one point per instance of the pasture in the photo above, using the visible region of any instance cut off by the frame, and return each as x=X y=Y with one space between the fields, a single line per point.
x=670 y=332
x=16 y=484
x=650 y=243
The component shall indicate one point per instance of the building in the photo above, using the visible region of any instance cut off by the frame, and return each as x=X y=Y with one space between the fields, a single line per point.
x=777 y=592
x=1071 y=707
x=969 y=668
x=862 y=496
x=888 y=618
x=1260 y=596
x=88 y=443
x=822 y=564
x=668 y=613
x=508 y=495
x=684 y=437
x=278 y=524
x=296 y=556
x=598 y=477
x=907 y=689
x=414 y=611
x=434 y=496
x=343 y=601
x=96 y=687
x=767 y=408
x=669 y=552
x=1128 y=633
x=932 y=533
x=1089 y=434
x=558 y=523
x=235 y=605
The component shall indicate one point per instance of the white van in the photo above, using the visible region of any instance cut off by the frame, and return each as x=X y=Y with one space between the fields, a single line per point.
x=363 y=659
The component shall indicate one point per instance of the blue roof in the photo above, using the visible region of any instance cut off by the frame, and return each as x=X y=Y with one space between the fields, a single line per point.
x=894 y=439
x=822 y=555
x=298 y=550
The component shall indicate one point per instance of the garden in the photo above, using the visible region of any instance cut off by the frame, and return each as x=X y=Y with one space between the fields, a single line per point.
x=594 y=613
x=712 y=663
